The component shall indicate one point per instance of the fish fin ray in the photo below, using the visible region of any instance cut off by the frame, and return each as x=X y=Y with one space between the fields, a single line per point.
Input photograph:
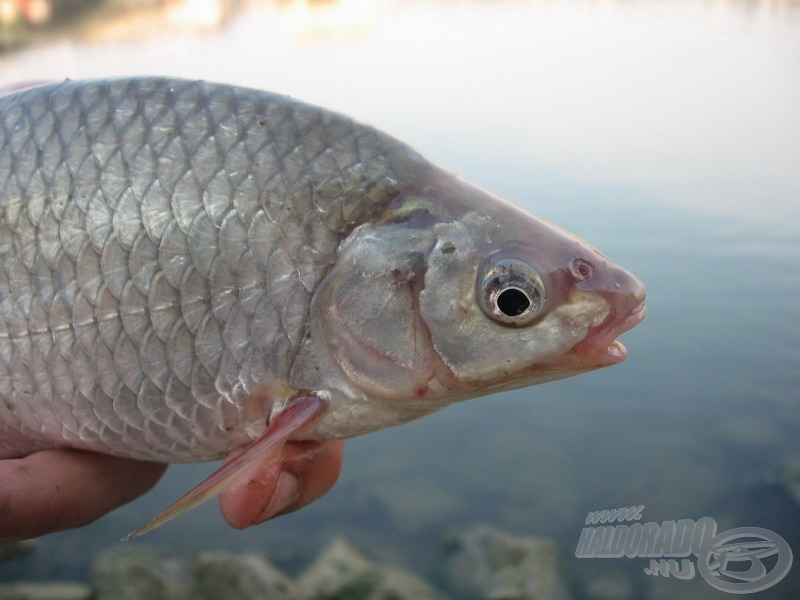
x=298 y=416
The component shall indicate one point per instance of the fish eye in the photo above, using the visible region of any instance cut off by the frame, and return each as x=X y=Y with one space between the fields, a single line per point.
x=511 y=293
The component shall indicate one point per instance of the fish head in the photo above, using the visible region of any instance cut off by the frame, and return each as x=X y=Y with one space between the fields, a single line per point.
x=512 y=300
x=453 y=293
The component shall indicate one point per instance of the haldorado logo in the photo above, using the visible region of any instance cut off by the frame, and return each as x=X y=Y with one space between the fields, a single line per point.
x=739 y=561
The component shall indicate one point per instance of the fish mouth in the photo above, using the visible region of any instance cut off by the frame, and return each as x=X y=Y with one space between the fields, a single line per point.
x=601 y=345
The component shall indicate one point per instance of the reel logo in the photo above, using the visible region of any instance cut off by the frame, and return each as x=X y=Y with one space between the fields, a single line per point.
x=738 y=561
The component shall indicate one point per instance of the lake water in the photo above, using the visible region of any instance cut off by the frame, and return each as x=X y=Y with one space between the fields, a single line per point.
x=665 y=133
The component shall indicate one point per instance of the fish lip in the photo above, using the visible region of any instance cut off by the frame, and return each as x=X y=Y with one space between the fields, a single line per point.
x=601 y=344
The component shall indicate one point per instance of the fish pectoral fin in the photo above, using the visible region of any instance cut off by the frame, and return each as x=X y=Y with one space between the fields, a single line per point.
x=299 y=414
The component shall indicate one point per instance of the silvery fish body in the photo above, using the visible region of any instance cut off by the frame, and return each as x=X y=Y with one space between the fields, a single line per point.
x=180 y=259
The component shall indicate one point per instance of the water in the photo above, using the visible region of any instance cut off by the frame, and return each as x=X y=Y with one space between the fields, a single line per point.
x=665 y=133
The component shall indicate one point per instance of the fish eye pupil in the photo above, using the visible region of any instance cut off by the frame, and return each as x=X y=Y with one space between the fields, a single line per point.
x=511 y=293
x=512 y=302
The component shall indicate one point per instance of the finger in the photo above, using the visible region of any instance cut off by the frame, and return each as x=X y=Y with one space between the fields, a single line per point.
x=61 y=489
x=317 y=467
x=302 y=473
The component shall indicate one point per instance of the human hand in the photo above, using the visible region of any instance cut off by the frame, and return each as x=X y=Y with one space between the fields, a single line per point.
x=61 y=489
x=304 y=472
x=54 y=490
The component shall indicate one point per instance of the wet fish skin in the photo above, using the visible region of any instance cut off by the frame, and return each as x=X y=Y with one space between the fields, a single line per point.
x=158 y=259
x=181 y=259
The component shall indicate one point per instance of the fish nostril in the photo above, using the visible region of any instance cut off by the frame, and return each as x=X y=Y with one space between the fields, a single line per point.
x=580 y=269
x=620 y=288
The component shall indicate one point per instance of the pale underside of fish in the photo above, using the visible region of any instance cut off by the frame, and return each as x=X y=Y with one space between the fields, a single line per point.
x=188 y=269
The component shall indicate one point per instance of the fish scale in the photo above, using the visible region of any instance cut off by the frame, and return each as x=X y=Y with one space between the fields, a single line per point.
x=158 y=256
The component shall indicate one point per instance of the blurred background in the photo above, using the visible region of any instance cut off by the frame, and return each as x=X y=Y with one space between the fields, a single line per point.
x=664 y=132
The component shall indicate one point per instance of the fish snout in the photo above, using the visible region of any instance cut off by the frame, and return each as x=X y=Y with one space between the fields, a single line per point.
x=625 y=296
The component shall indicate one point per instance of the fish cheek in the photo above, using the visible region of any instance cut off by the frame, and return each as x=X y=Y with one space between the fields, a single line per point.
x=477 y=350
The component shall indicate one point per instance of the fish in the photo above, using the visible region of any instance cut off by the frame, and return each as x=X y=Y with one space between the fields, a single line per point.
x=192 y=270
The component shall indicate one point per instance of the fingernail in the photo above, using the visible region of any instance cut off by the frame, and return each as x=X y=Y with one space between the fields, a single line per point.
x=286 y=493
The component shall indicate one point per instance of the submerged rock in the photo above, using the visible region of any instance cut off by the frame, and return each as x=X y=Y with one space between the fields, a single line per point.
x=139 y=572
x=63 y=590
x=342 y=573
x=222 y=575
x=484 y=562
